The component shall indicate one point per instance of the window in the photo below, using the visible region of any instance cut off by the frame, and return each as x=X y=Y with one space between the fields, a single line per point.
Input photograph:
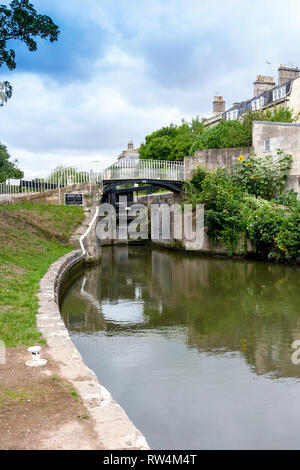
x=279 y=93
x=232 y=115
x=258 y=103
x=267 y=145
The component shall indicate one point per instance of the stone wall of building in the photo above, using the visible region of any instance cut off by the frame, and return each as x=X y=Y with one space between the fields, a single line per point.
x=283 y=136
x=214 y=158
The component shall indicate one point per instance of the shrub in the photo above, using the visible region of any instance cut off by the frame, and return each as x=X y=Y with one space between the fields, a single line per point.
x=234 y=134
x=226 y=134
x=265 y=225
x=263 y=177
x=288 y=238
x=232 y=214
x=225 y=211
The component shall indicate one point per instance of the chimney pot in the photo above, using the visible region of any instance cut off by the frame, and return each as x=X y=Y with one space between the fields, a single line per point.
x=263 y=83
x=286 y=73
x=218 y=105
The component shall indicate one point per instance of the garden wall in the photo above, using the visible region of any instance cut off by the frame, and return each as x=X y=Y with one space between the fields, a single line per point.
x=279 y=135
x=214 y=158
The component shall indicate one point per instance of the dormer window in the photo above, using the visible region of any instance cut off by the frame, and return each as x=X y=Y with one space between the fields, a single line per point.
x=279 y=93
x=232 y=115
x=258 y=103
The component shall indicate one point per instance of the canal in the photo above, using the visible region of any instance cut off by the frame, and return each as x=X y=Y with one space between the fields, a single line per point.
x=198 y=351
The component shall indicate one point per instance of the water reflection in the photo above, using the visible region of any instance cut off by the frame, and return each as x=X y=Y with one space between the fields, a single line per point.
x=226 y=305
x=192 y=315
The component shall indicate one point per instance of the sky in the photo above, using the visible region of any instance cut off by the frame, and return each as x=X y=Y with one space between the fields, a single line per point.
x=124 y=68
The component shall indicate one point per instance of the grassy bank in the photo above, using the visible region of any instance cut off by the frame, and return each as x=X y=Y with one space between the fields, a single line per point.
x=32 y=237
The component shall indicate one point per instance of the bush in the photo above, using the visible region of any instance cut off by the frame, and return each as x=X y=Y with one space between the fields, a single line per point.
x=226 y=134
x=263 y=177
x=288 y=238
x=265 y=225
x=231 y=214
x=225 y=211
x=234 y=134
x=288 y=198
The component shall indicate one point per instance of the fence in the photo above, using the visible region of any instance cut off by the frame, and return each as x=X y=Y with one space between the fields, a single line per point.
x=66 y=176
x=145 y=169
x=59 y=178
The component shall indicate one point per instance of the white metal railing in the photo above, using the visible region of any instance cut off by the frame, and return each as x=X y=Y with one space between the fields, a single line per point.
x=65 y=176
x=145 y=169
x=58 y=178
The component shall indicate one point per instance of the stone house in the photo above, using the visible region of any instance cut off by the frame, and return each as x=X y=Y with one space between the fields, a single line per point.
x=130 y=153
x=266 y=95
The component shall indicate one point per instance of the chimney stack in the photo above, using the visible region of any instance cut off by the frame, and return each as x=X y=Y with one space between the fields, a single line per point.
x=286 y=73
x=130 y=145
x=218 y=105
x=262 y=84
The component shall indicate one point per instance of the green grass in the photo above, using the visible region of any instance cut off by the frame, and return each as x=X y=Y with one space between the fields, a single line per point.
x=32 y=237
x=65 y=386
x=20 y=396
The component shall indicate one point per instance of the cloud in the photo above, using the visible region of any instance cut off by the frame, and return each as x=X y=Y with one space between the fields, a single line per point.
x=122 y=69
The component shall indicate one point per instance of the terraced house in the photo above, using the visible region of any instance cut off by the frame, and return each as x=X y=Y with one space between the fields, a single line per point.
x=266 y=95
x=267 y=137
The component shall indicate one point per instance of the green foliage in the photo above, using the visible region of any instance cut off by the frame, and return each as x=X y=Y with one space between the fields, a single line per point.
x=288 y=198
x=288 y=239
x=265 y=225
x=64 y=176
x=232 y=215
x=171 y=143
x=226 y=134
x=262 y=177
x=6 y=90
x=22 y=22
x=225 y=211
x=234 y=134
x=8 y=168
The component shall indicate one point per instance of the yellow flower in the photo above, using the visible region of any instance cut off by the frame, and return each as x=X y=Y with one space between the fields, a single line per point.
x=241 y=158
x=251 y=177
x=249 y=163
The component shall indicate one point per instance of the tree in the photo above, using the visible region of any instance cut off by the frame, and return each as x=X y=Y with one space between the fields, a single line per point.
x=232 y=134
x=171 y=143
x=22 y=22
x=8 y=169
x=5 y=92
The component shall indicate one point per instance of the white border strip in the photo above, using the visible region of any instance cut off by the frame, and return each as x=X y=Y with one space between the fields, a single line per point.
x=88 y=231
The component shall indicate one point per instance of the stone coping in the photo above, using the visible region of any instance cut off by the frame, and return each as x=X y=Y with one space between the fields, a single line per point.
x=274 y=123
x=114 y=428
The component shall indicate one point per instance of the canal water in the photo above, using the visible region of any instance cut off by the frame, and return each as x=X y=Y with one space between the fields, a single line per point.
x=198 y=351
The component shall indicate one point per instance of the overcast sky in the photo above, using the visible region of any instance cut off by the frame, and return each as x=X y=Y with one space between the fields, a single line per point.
x=123 y=68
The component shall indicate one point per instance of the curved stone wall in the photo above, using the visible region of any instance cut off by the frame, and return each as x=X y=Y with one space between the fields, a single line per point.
x=114 y=428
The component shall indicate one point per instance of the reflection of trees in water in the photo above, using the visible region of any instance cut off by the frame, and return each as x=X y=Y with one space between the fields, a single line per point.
x=224 y=302
x=221 y=302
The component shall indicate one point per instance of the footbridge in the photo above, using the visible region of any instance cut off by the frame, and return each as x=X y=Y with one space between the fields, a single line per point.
x=129 y=177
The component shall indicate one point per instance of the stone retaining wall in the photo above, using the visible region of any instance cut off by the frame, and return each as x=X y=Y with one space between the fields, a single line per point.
x=114 y=428
x=214 y=158
x=91 y=195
